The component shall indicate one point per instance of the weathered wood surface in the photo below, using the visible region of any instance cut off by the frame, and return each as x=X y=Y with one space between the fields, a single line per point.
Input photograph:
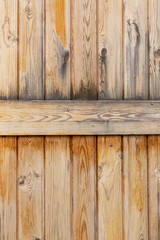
x=136 y=49
x=74 y=117
x=84 y=208
x=57 y=44
x=110 y=49
x=30 y=188
x=109 y=151
x=135 y=207
x=57 y=188
x=8 y=188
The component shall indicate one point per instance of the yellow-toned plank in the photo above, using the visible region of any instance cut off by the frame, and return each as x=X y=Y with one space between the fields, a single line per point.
x=135 y=207
x=57 y=188
x=30 y=188
x=31 y=49
x=109 y=188
x=84 y=188
x=8 y=49
x=110 y=49
x=84 y=50
x=57 y=49
x=8 y=165
x=153 y=186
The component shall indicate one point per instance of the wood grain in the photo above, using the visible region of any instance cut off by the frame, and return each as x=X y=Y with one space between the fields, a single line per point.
x=57 y=49
x=57 y=188
x=8 y=49
x=8 y=90
x=84 y=187
x=76 y=117
x=109 y=188
x=84 y=52
x=154 y=43
x=110 y=49
x=135 y=207
x=31 y=188
x=153 y=186
x=8 y=165
x=31 y=49
x=135 y=49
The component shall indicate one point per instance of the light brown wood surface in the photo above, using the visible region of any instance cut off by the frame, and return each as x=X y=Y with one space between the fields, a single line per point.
x=135 y=207
x=84 y=208
x=8 y=188
x=109 y=187
x=57 y=188
x=76 y=117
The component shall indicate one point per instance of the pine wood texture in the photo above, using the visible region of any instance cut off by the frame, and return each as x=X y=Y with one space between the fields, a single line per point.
x=109 y=188
x=30 y=188
x=8 y=203
x=57 y=44
x=84 y=219
x=30 y=49
x=135 y=49
x=110 y=49
x=57 y=188
x=8 y=49
x=154 y=43
x=135 y=207
x=84 y=50
x=76 y=117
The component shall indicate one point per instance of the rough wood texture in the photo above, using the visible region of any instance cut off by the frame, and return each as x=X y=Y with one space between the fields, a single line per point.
x=84 y=52
x=31 y=188
x=110 y=49
x=8 y=165
x=109 y=188
x=154 y=43
x=8 y=49
x=153 y=184
x=74 y=117
x=135 y=207
x=84 y=188
x=135 y=49
x=31 y=49
x=57 y=188
x=57 y=49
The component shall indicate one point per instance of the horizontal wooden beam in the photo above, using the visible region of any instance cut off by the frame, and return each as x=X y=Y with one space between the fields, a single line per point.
x=79 y=117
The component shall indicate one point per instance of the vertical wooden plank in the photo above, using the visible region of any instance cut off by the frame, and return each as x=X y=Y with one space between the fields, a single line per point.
x=8 y=49
x=84 y=49
x=57 y=49
x=31 y=49
x=84 y=187
x=109 y=188
x=154 y=43
x=110 y=49
x=57 y=149
x=31 y=150
x=8 y=90
x=154 y=141
x=57 y=188
x=135 y=49
x=109 y=148
x=8 y=164
x=84 y=86
x=153 y=181
x=31 y=187
x=135 y=207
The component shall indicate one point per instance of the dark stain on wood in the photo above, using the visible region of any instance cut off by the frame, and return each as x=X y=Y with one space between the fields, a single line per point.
x=103 y=76
x=86 y=92
x=132 y=53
